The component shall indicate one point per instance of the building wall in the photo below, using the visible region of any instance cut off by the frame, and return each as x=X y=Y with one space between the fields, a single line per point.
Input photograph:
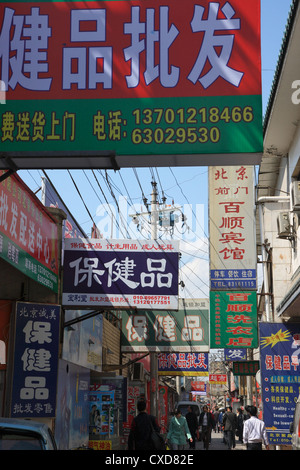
x=281 y=251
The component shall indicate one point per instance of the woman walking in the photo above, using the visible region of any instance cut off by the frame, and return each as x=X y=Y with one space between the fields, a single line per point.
x=178 y=432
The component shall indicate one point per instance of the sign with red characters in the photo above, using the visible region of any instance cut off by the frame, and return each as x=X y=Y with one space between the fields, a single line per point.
x=233 y=320
x=28 y=234
x=137 y=78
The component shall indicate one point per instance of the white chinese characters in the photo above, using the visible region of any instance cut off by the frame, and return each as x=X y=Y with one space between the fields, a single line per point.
x=89 y=57
x=86 y=270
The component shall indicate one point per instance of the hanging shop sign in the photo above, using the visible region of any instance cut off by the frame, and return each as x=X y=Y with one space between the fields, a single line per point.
x=235 y=354
x=217 y=379
x=28 y=234
x=121 y=273
x=232 y=228
x=35 y=366
x=199 y=388
x=183 y=364
x=184 y=330
x=233 y=320
x=245 y=367
x=174 y=83
x=280 y=378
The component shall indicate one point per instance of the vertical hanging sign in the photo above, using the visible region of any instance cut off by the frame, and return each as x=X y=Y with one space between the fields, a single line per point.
x=232 y=228
x=233 y=320
x=35 y=360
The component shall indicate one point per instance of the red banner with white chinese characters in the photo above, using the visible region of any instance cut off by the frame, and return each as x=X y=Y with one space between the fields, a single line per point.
x=28 y=234
x=134 y=78
x=133 y=49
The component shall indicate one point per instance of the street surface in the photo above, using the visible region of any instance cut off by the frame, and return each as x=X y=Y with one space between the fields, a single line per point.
x=218 y=444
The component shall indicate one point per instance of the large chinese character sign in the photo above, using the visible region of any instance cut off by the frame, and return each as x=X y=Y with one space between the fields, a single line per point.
x=280 y=377
x=35 y=360
x=184 y=331
x=178 y=82
x=120 y=273
x=232 y=228
x=233 y=320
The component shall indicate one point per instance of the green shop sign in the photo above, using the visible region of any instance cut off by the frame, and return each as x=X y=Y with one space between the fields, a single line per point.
x=184 y=330
x=233 y=319
x=245 y=367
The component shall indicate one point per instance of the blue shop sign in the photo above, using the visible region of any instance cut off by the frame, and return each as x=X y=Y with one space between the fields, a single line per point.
x=280 y=378
x=35 y=360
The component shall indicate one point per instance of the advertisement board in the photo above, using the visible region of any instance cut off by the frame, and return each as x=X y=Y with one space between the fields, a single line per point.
x=235 y=354
x=280 y=378
x=245 y=368
x=233 y=320
x=28 y=234
x=72 y=413
x=183 y=364
x=184 y=330
x=232 y=228
x=217 y=379
x=35 y=366
x=120 y=273
x=173 y=83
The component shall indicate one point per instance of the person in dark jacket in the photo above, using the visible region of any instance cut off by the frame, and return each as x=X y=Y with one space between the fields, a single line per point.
x=240 y=424
x=230 y=425
x=140 y=432
x=192 y=424
x=206 y=424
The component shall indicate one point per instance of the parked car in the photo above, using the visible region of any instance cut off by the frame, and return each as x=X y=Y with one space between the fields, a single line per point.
x=183 y=406
x=25 y=434
x=295 y=427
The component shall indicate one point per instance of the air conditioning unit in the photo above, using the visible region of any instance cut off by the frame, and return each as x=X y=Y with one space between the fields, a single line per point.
x=283 y=225
x=138 y=371
x=296 y=195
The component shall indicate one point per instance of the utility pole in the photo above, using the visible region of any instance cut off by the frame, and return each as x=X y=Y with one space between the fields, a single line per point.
x=155 y=213
x=153 y=355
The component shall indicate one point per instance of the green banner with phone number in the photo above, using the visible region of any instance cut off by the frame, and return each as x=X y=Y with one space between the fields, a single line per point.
x=162 y=125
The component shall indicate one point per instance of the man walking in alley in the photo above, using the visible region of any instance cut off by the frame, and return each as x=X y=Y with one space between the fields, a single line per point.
x=230 y=425
x=254 y=431
x=140 y=432
x=192 y=422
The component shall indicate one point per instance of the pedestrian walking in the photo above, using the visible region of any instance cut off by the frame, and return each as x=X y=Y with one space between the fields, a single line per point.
x=240 y=424
x=222 y=411
x=206 y=424
x=230 y=425
x=254 y=433
x=192 y=422
x=140 y=433
x=216 y=418
x=178 y=432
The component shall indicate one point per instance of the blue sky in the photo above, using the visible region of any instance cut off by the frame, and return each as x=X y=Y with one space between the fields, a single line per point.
x=185 y=186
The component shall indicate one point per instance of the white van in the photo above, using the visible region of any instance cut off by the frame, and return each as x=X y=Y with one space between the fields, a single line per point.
x=184 y=404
